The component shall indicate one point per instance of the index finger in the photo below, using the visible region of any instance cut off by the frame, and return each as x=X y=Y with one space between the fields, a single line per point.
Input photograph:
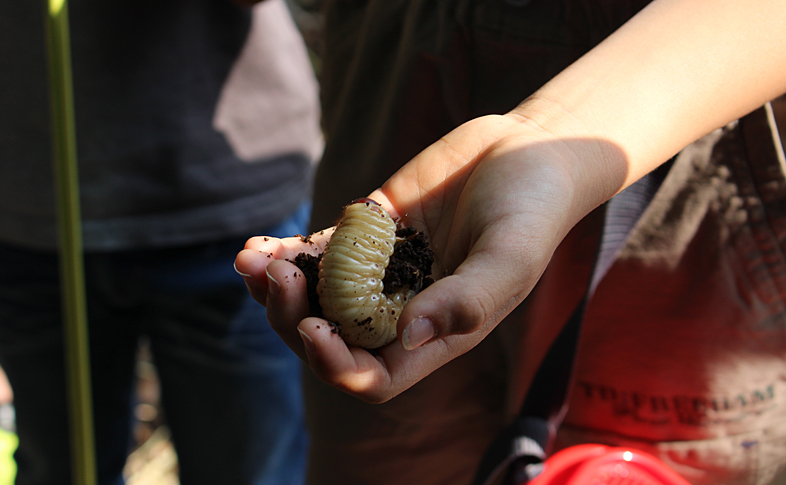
x=290 y=247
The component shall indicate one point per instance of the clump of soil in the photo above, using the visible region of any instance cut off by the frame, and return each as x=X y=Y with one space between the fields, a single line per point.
x=410 y=264
x=309 y=265
x=409 y=267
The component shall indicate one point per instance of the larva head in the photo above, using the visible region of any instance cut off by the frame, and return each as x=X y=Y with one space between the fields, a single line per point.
x=371 y=204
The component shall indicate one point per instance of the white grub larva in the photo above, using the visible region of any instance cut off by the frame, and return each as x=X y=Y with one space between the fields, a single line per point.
x=353 y=266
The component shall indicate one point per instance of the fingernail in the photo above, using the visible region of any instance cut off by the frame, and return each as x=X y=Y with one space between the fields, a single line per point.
x=307 y=342
x=273 y=286
x=234 y=265
x=418 y=333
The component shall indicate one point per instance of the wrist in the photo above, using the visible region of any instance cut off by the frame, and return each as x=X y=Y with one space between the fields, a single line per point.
x=594 y=169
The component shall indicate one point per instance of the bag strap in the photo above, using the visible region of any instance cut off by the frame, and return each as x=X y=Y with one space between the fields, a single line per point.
x=519 y=450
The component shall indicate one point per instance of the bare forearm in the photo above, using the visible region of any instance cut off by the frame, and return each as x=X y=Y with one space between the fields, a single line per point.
x=673 y=73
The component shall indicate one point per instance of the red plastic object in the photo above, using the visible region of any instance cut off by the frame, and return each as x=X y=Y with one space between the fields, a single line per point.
x=605 y=465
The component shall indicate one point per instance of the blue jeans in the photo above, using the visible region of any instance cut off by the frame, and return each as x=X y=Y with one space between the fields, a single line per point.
x=230 y=387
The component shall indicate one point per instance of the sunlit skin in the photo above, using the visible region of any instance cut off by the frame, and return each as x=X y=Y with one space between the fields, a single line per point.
x=497 y=194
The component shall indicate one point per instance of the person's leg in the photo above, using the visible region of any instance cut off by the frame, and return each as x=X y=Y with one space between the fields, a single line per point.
x=113 y=318
x=31 y=352
x=230 y=387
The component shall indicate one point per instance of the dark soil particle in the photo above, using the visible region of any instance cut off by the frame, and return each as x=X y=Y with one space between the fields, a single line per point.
x=305 y=239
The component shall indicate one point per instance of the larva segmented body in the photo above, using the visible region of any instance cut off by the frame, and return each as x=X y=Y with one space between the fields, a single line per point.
x=351 y=272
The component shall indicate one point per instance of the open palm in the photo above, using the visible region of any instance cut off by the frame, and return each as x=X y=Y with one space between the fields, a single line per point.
x=495 y=196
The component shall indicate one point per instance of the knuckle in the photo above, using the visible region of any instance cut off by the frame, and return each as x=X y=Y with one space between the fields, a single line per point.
x=366 y=391
x=471 y=312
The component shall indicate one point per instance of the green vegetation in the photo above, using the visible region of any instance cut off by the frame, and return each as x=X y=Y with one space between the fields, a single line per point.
x=8 y=443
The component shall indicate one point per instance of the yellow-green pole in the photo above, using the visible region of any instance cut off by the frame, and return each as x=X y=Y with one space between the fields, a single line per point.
x=70 y=231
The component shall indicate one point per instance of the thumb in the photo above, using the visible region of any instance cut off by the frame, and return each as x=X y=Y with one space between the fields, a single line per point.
x=473 y=300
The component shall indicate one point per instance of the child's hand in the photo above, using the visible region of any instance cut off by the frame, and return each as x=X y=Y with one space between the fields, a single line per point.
x=495 y=196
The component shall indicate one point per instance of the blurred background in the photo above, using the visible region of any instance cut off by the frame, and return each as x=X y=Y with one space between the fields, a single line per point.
x=153 y=461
